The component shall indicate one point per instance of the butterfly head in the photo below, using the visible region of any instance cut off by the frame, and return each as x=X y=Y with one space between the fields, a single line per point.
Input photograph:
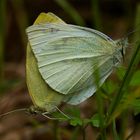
x=121 y=47
x=123 y=44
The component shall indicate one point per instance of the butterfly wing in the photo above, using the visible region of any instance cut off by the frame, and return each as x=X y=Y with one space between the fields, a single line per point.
x=81 y=95
x=68 y=56
x=43 y=97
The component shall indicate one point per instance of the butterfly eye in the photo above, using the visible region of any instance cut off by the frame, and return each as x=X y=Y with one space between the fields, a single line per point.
x=33 y=110
x=122 y=52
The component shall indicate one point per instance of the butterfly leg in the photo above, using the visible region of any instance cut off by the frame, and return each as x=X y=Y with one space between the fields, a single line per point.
x=63 y=113
x=44 y=114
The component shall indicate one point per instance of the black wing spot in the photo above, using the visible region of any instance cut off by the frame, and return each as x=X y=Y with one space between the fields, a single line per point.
x=53 y=30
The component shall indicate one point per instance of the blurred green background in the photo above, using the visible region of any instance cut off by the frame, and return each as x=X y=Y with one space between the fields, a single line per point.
x=116 y=18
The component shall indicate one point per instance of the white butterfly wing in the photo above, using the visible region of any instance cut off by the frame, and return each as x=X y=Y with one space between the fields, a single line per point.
x=78 y=97
x=68 y=56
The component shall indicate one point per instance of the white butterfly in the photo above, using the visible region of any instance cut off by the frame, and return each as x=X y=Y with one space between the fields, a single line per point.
x=69 y=56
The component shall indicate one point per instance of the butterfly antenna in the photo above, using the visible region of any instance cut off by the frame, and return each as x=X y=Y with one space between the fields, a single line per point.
x=132 y=31
x=13 y=111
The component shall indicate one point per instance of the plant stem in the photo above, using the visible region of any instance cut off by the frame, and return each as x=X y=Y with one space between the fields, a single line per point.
x=96 y=15
x=123 y=123
x=127 y=78
x=71 y=11
x=83 y=133
x=101 y=115
x=75 y=134
x=100 y=106
x=56 y=129
x=2 y=36
x=22 y=23
x=131 y=134
x=115 y=134
x=137 y=23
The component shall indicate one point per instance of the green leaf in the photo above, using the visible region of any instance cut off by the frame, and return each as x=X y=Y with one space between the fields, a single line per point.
x=74 y=115
x=136 y=106
x=135 y=81
x=109 y=86
x=73 y=112
x=76 y=121
x=121 y=72
x=95 y=120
